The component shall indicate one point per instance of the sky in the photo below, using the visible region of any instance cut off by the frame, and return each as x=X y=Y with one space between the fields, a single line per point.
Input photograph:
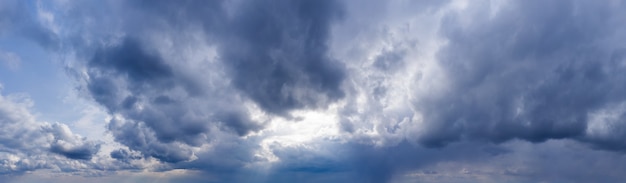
x=280 y=91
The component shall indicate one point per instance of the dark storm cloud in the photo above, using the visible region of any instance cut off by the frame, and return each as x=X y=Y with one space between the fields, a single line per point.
x=276 y=54
x=136 y=64
x=157 y=101
x=534 y=71
x=528 y=70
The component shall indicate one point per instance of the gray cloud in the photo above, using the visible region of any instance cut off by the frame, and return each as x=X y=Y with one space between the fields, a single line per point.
x=277 y=54
x=124 y=155
x=167 y=108
x=70 y=145
x=15 y=20
x=164 y=111
x=518 y=70
x=139 y=137
x=200 y=85
x=534 y=71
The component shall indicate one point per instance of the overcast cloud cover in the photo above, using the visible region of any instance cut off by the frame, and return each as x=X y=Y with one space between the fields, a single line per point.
x=272 y=91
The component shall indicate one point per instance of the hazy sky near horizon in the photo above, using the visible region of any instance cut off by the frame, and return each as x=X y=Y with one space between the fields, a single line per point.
x=273 y=91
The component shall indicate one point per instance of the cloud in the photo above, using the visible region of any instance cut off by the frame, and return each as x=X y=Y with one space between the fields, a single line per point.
x=70 y=145
x=277 y=54
x=17 y=21
x=124 y=155
x=141 y=138
x=536 y=75
x=163 y=112
x=167 y=104
x=26 y=144
x=338 y=91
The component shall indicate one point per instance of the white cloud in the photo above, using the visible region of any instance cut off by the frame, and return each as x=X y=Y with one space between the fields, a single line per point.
x=28 y=144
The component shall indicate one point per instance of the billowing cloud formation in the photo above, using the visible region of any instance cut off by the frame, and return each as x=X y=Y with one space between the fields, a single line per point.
x=281 y=65
x=528 y=70
x=26 y=144
x=335 y=91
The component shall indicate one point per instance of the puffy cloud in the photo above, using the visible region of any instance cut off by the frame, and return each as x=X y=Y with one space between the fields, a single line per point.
x=70 y=145
x=26 y=144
